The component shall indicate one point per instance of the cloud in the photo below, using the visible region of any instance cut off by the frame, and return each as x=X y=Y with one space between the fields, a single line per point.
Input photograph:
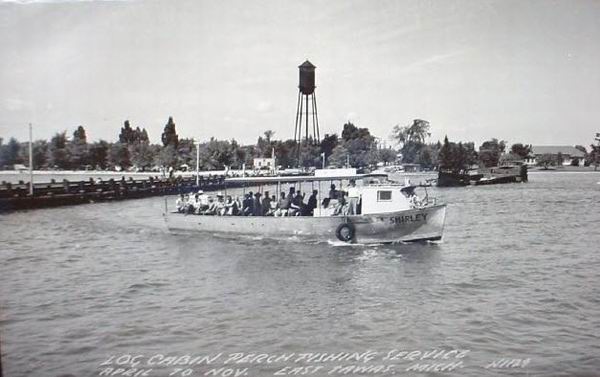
x=264 y=107
x=25 y=2
x=15 y=104
x=352 y=117
x=416 y=65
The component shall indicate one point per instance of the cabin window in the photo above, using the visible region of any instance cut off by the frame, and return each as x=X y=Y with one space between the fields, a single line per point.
x=384 y=196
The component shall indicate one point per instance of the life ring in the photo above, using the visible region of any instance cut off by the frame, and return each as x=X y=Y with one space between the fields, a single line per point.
x=345 y=232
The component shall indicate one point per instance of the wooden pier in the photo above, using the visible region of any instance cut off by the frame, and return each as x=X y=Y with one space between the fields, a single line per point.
x=16 y=196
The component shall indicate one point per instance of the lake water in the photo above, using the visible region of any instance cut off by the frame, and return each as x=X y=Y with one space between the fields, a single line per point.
x=517 y=277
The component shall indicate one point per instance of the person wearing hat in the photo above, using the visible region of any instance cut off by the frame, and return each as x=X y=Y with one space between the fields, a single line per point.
x=257 y=207
x=248 y=205
x=220 y=206
x=202 y=201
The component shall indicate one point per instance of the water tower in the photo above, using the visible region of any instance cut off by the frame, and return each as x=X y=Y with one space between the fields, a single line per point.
x=306 y=110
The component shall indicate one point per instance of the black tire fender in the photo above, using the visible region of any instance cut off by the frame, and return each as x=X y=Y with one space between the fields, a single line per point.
x=348 y=234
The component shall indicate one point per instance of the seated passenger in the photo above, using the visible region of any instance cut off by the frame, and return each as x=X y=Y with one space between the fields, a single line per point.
x=180 y=204
x=291 y=194
x=272 y=206
x=333 y=193
x=202 y=201
x=257 y=205
x=248 y=205
x=342 y=205
x=220 y=204
x=266 y=204
x=311 y=205
x=212 y=207
x=191 y=204
x=296 y=205
x=238 y=206
x=282 y=206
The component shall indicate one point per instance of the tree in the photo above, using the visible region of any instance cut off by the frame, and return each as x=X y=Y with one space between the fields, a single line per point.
x=40 y=154
x=417 y=132
x=445 y=157
x=546 y=160
x=9 y=153
x=269 y=135
x=118 y=156
x=339 y=156
x=169 y=135
x=387 y=155
x=425 y=158
x=520 y=150
x=411 y=139
x=490 y=152
x=593 y=158
x=126 y=136
x=78 y=149
x=142 y=155
x=58 y=154
x=328 y=143
x=166 y=157
x=456 y=158
x=98 y=154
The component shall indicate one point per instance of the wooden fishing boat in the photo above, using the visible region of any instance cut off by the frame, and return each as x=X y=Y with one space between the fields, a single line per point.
x=388 y=212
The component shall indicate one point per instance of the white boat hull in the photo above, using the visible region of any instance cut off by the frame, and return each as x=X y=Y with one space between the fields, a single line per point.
x=421 y=224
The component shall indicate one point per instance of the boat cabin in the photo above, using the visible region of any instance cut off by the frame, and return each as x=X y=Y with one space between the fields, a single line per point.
x=378 y=195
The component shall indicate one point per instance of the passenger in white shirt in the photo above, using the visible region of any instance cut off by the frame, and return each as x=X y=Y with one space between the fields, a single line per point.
x=353 y=198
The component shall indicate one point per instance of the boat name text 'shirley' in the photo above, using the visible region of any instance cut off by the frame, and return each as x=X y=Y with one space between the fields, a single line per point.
x=408 y=218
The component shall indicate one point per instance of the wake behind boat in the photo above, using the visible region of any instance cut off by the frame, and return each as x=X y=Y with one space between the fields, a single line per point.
x=370 y=210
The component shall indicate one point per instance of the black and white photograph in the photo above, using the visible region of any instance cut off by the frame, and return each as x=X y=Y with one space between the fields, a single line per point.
x=258 y=188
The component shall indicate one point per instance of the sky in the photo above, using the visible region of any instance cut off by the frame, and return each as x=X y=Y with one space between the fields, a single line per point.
x=522 y=71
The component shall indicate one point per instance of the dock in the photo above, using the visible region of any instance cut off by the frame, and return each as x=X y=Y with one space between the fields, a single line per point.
x=16 y=196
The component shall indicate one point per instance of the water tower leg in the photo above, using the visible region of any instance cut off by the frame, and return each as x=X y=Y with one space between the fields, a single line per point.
x=298 y=114
x=306 y=135
x=316 y=116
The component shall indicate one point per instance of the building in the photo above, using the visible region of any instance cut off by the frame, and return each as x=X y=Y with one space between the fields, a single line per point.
x=570 y=155
x=266 y=163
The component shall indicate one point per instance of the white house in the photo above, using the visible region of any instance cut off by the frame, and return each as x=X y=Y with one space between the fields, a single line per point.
x=264 y=163
x=570 y=155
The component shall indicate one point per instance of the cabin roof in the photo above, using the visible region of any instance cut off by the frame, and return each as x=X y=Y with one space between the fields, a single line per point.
x=301 y=178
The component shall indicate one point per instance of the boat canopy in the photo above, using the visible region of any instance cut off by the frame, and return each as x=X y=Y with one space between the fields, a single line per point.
x=301 y=178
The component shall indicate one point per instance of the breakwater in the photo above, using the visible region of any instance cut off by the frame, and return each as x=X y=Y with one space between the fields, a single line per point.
x=15 y=196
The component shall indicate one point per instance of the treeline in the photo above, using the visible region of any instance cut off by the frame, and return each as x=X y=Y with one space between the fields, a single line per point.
x=133 y=150
x=354 y=146
x=460 y=156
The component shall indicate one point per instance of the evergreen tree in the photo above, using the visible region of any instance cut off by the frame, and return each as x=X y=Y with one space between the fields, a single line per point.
x=78 y=149
x=445 y=156
x=169 y=135
x=127 y=135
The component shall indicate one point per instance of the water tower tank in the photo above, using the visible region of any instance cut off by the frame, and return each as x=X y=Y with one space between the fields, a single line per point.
x=307 y=77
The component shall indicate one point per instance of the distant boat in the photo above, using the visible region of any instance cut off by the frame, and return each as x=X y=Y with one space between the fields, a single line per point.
x=389 y=212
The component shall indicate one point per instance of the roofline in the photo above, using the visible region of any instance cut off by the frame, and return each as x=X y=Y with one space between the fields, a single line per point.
x=300 y=178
